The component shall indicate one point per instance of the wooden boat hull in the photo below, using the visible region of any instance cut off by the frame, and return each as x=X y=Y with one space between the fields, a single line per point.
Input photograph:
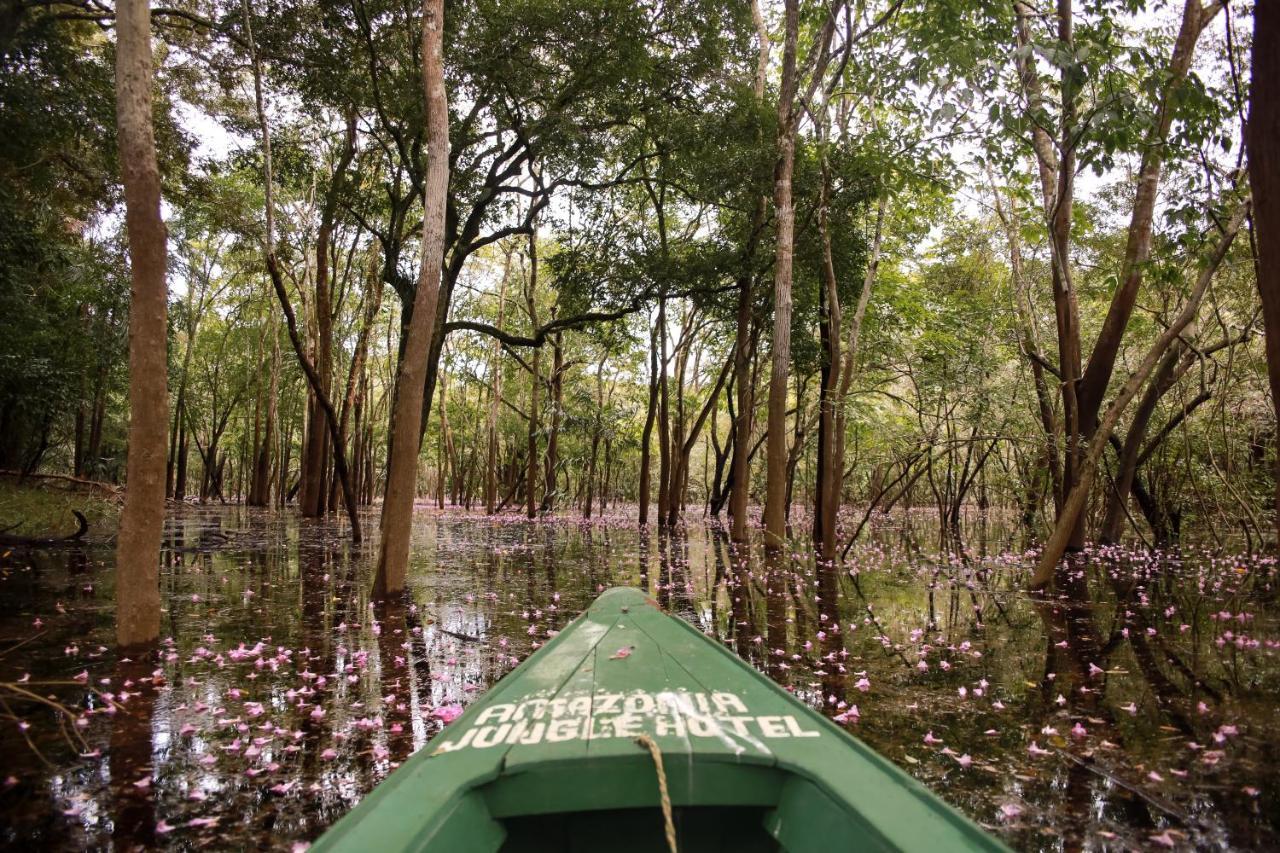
x=549 y=759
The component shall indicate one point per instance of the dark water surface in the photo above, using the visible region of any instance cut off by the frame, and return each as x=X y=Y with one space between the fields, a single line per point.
x=282 y=695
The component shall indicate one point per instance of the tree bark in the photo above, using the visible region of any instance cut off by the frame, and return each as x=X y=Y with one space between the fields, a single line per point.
x=646 y=435
x=664 y=418
x=1262 y=133
x=551 y=469
x=142 y=519
x=775 y=513
x=406 y=423
x=495 y=399
x=740 y=468
x=315 y=458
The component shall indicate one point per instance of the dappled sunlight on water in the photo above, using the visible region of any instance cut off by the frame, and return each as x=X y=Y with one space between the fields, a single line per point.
x=282 y=694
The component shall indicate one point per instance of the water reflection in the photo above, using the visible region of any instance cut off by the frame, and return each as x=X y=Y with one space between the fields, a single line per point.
x=1134 y=705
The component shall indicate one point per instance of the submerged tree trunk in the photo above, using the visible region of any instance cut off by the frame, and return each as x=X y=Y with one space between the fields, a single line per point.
x=646 y=435
x=260 y=488
x=664 y=420
x=495 y=399
x=597 y=427
x=531 y=458
x=1262 y=133
x=142 y=519
x=277 y=284
x=775 y=511
x=740 y=468
x=1073 y=507
x=313 y=497
x=406 y=422
x=830 y=468
x=551 y=469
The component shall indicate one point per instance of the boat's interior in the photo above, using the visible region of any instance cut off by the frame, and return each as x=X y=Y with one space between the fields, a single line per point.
x=732 y=829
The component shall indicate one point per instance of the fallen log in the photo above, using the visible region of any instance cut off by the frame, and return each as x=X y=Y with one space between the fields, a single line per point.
x=82 y=527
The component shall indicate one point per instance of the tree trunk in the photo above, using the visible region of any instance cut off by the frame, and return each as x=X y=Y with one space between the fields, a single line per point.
x=597 y=427
x=531 y=476
x=775 y=513
x=740 y=469
x=1262 y=133
x=260 y=490
x=282 y=295
x=180 y=467
x=1167 y=373
x=315 y=458
x=142 y=519
x=402 y=466
x=830 y=469
x=495 y=399
x=646 y=436
x=1073 y=507
x=551 y=469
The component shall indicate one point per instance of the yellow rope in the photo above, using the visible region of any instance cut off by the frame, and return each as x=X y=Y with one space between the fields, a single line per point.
x=648 y=743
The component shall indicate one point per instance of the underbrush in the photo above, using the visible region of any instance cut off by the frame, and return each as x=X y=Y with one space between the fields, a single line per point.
x=43 y=508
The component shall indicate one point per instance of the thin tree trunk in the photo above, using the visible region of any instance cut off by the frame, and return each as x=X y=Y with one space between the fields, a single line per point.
x=315 y=459
x=664 y=420
x=775 y=511
x=277 y=283
x=830 y=468
x=550 y=471
x=1167 y=373
x=740 y=468
x=646 y=435
x=261 y=488
x=1073 y=506
x=495 y=399
x=531 y=476
x=596 y=429
x=142 y=519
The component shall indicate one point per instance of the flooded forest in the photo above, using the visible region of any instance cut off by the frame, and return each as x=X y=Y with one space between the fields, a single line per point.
x=923 y=354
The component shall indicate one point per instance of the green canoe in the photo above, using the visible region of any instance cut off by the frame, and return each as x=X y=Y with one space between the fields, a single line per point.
x=560 y=755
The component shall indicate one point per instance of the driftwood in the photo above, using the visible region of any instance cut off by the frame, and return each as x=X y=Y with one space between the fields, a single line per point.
x=82 y=527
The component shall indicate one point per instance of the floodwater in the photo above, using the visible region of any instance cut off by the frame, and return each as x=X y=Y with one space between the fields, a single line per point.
x=281 y=694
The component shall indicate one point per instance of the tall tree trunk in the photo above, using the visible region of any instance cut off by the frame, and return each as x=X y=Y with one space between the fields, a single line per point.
x=444 y=448
x=142 y=519
x=260 y=489
x=740 y=469
x=180 y=466
x=597 y=427
x=1083 y=391
x=355 y=375
x=282 y=295
x=495 y=399
x=646 y=435
x=775 y=511
x=1262 y=133
x=531 y=460
x=1030 y=344
x=664 y=420
x=830 y=469
x=406 y=423
x=551 y=468
x=315 y=459
x=683 y=452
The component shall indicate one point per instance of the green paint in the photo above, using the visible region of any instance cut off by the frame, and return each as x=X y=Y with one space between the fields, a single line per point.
x=547 y=759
